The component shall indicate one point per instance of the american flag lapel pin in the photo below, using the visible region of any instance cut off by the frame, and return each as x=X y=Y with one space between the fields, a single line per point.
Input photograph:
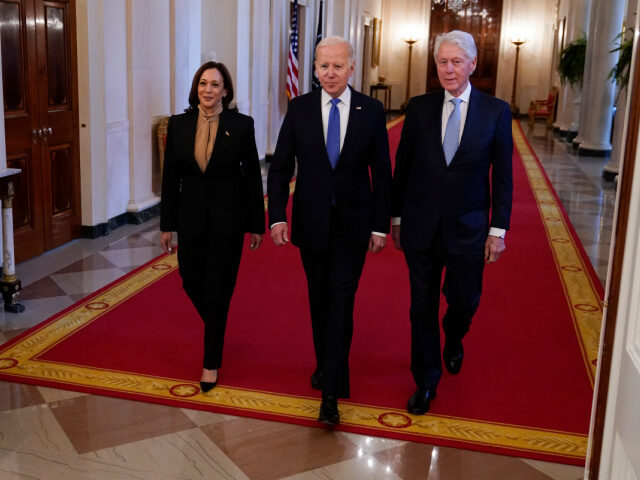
x=358 y=108
x=227 y=133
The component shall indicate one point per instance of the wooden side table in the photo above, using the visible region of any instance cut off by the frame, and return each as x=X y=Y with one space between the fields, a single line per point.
x=386 y=90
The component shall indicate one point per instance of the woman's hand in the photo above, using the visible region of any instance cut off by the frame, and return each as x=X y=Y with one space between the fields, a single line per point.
x=165 y=242
x=256 y=240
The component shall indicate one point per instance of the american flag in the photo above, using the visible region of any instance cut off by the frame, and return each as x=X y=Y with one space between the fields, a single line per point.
x=292 y=64
x=315 y=82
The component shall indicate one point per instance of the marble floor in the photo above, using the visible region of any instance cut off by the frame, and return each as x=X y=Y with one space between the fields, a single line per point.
x=55 y=434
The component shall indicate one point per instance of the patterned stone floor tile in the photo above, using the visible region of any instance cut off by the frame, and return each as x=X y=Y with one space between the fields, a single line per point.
x=94 y=422
x=201 y=418
x=132 y=256
x=18 y=395
x=362 y=468
x=56 y=394
x=270 y=450
x=416 y=462
x=88 y=281
x=557 y=471
x=33 y=430
x=187 y=455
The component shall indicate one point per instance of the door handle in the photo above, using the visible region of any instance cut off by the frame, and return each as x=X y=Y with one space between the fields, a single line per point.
x=36 y=132
x=46 y=131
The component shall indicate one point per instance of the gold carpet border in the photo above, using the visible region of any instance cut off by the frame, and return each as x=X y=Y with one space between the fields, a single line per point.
x=20 y=360
x=582 y=296
x=524 y=439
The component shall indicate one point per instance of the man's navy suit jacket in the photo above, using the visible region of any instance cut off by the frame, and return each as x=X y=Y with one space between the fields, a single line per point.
x=360 y=184
x=464 y=198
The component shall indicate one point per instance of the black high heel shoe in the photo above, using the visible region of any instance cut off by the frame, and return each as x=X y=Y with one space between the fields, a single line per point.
x=207 y=386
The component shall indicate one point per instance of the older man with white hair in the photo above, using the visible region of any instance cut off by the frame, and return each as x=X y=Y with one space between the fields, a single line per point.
x=451 y=206
x=337 y=136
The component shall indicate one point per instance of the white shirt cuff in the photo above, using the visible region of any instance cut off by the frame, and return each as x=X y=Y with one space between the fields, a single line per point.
x=395 y=220
x=274 y=224
x=379 y=234
x=497 y=232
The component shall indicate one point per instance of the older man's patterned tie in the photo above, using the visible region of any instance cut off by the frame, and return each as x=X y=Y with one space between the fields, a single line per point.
x=452 y=133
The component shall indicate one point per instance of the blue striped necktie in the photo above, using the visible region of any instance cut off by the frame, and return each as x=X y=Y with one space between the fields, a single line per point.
x=333 y=133
x=452 y=133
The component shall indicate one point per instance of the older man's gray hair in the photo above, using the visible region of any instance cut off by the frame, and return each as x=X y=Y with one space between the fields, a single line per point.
x=461 y=39
x=335 y=40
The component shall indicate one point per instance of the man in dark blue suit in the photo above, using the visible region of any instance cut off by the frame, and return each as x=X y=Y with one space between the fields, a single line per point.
x=341 y=205
x=451 y=205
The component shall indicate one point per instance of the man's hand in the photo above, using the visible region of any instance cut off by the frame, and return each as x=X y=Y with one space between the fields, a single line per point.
x=280 y=234
x=256 y=240
x=377 y=243
x=165 y=242
x=493 y=248
x=395 y=235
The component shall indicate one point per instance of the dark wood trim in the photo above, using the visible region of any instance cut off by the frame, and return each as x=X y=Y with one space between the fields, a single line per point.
x=626 y=179
x=132 y=218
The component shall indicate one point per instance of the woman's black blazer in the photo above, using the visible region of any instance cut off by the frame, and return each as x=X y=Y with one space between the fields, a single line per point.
x=228 y=196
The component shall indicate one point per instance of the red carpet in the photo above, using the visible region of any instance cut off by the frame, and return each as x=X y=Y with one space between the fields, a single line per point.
x=525 y=388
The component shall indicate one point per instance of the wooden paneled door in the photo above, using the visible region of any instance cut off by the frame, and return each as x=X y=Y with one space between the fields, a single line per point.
x=39 y=76
x=482 y=20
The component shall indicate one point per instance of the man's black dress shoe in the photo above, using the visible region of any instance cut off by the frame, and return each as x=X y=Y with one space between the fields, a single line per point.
x=419 y=402
x=207 y=386
x=452 y=357
x=316 y=380
x=329 y=410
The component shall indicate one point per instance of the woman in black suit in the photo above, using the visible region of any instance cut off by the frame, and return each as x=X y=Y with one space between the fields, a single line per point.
x=211 y=196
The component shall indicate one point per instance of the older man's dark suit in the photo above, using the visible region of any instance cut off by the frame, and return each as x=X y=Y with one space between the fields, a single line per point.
x=334 y=212
x=446 y=212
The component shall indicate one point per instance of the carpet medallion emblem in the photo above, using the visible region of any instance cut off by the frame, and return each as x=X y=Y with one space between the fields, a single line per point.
x=571 y=268
x=96 y=306
x=7 y=363
x=394 y=420
x=184 y=390
x=161 y=266
x=585 y=307
x=560 y=240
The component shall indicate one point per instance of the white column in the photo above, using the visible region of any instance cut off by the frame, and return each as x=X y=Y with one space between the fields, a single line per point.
x=145 y=48
x=577 y=16
x=595 y=121
x=613 y=167
x=260 y=48
x=185 y=50
x=277 y=69
x=243 y=56
x=92 y=111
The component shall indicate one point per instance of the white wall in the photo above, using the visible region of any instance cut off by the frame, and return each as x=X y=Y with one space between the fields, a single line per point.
x=219 y=23
x=117 y=119
x=401 y=19
x=535 y=21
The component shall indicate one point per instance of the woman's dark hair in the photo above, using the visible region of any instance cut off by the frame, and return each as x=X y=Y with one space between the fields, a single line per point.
x=227 y=83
